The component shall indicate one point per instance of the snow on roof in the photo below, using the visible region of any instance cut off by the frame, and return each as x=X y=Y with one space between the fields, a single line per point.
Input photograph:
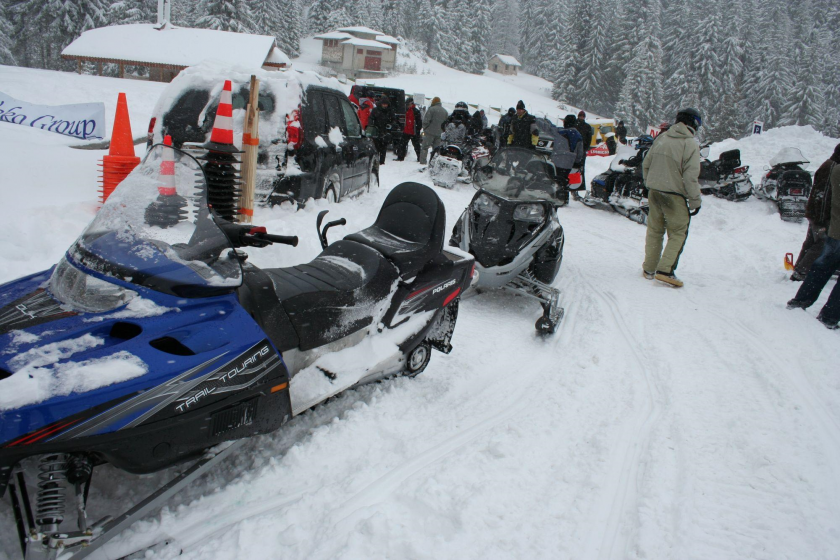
x=179 y=46
x=360 y=29
x=387 y=39
x=278 y=57
x=507 y=59
x=333 y=35
x=355 y=41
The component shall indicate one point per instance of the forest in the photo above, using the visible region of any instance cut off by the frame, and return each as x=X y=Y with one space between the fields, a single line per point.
x=640 y=60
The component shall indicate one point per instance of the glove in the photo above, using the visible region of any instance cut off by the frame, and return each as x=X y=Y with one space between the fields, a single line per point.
x=694 y=212
x=622 y=162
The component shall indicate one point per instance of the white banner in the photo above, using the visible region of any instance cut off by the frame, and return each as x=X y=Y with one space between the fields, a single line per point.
x=81 y=120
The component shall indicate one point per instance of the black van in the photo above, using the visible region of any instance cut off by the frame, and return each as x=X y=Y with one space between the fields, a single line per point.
x=301 y=155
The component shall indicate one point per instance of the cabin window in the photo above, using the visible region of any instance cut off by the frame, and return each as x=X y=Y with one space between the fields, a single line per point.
x=360 y=51
x=374 y=53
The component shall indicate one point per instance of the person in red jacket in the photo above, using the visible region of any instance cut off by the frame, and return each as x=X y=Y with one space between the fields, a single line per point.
x=411 y=131
x=364 y=112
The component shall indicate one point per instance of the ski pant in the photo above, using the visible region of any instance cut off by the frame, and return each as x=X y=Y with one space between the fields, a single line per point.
x=576 y=194
x=381 y=143
x=811 y=249
x=818 y=277
x=402 y=146
x=668 y=213
x=432 y=141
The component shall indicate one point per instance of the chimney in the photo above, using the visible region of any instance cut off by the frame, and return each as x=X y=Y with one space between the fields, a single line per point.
x=163 y=14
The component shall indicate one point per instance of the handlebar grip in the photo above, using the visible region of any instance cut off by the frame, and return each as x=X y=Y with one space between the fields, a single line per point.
x=341 y=222
x=284 y=239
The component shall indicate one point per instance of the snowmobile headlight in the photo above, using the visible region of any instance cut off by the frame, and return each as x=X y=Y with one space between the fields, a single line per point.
x=84 y=292
x=534 y=213
x=486 y=205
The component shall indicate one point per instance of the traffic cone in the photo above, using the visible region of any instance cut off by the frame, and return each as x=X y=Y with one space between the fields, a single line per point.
x=168 y=209
x=223 y=180
x=120 y=160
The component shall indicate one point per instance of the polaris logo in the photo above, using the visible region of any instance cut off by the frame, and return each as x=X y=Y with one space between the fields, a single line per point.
x=443 y=287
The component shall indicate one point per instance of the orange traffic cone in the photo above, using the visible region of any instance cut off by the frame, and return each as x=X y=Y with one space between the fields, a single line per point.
x=169 y=208
x=120 y=160
x=222 y=175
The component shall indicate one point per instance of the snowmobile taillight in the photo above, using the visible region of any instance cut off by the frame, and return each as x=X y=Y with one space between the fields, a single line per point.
x=472 y=270
x=796 y=192
x=451 y=296
x=741 y=169
x=294 y=130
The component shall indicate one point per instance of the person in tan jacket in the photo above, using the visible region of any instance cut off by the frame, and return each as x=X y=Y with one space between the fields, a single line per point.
x=671 y=169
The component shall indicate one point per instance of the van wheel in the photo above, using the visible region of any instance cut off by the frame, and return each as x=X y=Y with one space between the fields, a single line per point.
x=332 y=188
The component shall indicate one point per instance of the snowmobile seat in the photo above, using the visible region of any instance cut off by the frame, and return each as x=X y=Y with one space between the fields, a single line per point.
x=729 y=160
x=334 y=295
x=409 y=229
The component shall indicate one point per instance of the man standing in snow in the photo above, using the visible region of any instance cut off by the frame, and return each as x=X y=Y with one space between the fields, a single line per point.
x=523 y=128
x=826 y=263
x=671 y=170
x=411 y=131
x=433 y=121
x=382 y=118
x=504 y=126
x=818 y=213
x=621 y=132
x=586 y=132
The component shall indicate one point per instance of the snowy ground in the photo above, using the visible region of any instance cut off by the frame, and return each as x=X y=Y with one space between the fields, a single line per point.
x=657 y=423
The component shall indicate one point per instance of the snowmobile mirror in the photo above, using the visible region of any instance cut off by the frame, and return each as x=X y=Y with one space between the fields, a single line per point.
x=704 y=151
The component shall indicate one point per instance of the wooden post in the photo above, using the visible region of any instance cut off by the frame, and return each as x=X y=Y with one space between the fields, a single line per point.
x=251 y=146
x=122 y=70
x=98 y=68
x=79 y=65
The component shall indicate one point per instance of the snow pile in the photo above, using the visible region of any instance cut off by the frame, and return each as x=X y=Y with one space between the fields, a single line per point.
x=43 y=373
x=335 y=136
x=137 y=308
x=757 y=150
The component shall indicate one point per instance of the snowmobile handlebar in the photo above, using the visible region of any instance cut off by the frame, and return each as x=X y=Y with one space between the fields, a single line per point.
x=322 y=232
x=241 y=235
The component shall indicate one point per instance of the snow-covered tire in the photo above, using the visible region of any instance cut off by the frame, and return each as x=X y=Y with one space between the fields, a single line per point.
x=332 y=188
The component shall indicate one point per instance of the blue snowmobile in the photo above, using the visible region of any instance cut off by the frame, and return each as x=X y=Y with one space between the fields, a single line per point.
x=154 y=341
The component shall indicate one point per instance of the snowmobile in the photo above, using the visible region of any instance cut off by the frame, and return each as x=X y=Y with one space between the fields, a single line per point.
x=154 y=341
x=787 y=184
x=622 y=188
x=459 y=155
x=726 y=177
x=512 y=229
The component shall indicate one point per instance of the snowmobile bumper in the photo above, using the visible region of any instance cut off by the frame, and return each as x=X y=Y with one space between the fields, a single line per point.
x=792 y=209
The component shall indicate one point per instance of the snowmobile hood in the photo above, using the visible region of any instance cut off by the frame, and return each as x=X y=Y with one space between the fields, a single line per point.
x=679 y=130
x=788 y=156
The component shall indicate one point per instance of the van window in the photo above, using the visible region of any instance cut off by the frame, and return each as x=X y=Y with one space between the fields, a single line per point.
x=352 y=121
x=314 y=113
x=334 y=114
x=181 y=121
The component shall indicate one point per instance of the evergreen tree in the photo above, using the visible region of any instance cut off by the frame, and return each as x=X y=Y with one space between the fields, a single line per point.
x=640 y=103
x=806 y=101
x=6 y=31
x=479 y=36
x=225 y=15
x=289 y=30
x=319 y=14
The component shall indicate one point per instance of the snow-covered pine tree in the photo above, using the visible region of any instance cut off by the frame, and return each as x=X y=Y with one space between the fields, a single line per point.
x=447 y=40
x=678 y=60
x=589 y=52
x=368 y=13
x=6 y=30
x=225 y=15
x=706 y=64
x=319 y=14
x=125 y=12
x=479 y=36
x=422 y=25
x=806 y=101
x=182 y=12
x=504 y=37
x=60 y=22
x=289 y=30
x=530 y=12
x=775 y=78
x=640 y=103
x=729 y=115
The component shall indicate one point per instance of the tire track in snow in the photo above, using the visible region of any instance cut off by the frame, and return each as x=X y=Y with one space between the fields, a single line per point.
x=618 y=496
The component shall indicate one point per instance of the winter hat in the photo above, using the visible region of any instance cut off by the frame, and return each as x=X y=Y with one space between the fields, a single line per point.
x=836 y=155
x=582 y=115
x=409 y=101
x=569 y=121
x=435 y=100
x=520 y=105
x=511 y=111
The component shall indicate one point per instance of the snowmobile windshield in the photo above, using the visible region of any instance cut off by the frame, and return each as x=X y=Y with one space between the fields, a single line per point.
x=156 y=230
x=788 y=156
x=518 y=174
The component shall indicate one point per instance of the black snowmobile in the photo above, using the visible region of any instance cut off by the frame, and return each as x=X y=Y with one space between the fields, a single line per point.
x=177 y=344
x=787 y=184
x=725 y=177
x=622 y=188
x=512 y=230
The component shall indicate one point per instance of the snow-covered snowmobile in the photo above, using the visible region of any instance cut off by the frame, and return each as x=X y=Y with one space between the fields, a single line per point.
x=622 y=188
x=512 y=229
x=154 y=339
x=725 y=177
x=786 y=184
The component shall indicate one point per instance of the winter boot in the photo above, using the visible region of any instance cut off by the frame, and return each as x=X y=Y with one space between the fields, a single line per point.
x=668 y=278
x=829 y=324
x=796 y=304
x=648 y=275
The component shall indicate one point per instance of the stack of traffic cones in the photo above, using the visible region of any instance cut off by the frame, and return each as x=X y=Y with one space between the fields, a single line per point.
x=120 y=160
x=168 y=209
x=221 y=171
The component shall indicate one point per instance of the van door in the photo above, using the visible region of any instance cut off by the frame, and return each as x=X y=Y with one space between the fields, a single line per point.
x=317 y=156
x=345 y=160
x=357 y=145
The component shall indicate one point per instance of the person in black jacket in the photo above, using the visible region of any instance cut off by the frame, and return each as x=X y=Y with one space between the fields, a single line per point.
x=504 y=126
x=523 y=129
x=586 y=132
x=383 y=119
x=621 y=132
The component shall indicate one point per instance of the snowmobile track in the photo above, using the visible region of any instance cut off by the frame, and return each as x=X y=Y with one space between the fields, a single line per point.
x=618 y=497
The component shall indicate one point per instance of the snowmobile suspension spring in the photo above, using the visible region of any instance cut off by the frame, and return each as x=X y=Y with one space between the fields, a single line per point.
x=223 y=184
x=49 y=511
